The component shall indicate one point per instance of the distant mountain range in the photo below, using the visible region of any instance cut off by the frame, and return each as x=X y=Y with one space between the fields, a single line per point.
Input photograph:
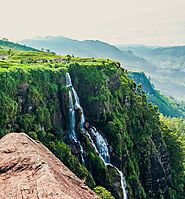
x=163 y=57
x=165 y=65
x=170 y=63
x=89 y=48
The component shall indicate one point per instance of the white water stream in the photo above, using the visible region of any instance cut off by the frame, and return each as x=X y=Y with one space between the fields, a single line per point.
x=96 y=139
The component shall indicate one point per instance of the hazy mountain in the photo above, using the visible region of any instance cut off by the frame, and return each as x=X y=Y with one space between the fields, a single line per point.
x=165 y=65
x=90 y=48
x=169 y=62
x=163 y=57
x=135 y=47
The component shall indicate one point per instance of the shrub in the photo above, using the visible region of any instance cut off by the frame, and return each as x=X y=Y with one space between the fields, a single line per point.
x=103 y=193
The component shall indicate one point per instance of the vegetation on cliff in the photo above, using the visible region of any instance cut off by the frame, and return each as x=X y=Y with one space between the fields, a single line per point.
x=34 y=99
x=174 y=136
x=166 y=105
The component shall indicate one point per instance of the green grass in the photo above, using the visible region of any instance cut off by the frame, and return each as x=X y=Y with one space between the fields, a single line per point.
x=36 y=59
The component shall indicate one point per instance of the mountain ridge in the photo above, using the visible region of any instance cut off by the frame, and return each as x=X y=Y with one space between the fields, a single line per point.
x=165 y=71
x=18 y=46
x=86 y=48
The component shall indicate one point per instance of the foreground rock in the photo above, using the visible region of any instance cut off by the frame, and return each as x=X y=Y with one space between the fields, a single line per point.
x=28 y=170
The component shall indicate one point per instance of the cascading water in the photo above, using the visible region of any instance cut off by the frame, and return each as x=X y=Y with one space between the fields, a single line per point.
x=72 y=121
x=68 y=80
x=78 y=106
x=101 y=147
x=81 y=153
x=123 y=182
x=72 y=133
x=96 y=139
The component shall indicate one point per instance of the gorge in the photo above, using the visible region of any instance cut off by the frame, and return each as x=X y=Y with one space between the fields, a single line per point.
x=100 y=146
x=126 y=138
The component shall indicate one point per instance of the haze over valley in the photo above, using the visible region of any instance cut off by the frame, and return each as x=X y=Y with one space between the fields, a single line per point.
x=92 y=99
x=164 y=65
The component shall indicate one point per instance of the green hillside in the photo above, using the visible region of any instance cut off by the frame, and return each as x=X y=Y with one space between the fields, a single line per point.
x=165 y=65
x=167 y=106
x=34 y=99
x=16 y=46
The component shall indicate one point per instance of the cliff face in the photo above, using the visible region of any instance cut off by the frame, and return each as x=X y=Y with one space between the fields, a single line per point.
x=34 y=100
x=166 y=105
x=130 y=125
x=30 y=170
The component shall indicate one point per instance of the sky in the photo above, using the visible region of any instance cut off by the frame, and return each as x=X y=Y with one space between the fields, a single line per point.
x=149 y=22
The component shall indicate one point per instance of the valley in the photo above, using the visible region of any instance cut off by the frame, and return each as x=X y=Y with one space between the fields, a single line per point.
x=54 y=99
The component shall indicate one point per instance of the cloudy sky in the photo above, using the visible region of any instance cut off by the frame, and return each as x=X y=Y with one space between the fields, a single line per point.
x=153 y=22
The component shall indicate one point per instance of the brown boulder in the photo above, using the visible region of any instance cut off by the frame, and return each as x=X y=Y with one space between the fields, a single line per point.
x=28 y=170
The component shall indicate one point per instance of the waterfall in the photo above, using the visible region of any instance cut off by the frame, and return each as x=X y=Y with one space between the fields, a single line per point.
x=78 y=106
x=123 y=182
x=95 y=138
x=72 y=132
x=102 y=149
x=68 y=80
x=101 y=145
x=81 y=153
x=72 y=120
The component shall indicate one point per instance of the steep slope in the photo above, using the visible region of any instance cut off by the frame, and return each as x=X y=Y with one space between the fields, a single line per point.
x=167 y=106
x=30 y=170
x=170 y=68
x=36 y=99
x=164 y=57
x=15 y=46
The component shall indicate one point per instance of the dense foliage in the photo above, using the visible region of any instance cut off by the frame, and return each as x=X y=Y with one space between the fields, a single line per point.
x=34 y=100
x=167 y=106
x=131 y=126
x=103 y=193
x=174 y=135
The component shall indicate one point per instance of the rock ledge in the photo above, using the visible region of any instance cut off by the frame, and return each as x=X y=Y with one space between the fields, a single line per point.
x=28 y=170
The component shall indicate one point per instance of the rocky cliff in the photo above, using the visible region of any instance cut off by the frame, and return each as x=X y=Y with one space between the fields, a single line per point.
x=30 y=170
